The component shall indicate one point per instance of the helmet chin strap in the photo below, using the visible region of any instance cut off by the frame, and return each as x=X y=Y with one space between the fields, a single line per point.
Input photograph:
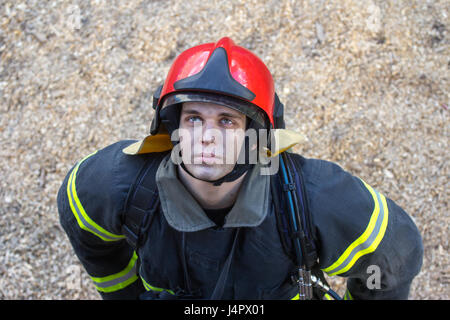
x=236 y=173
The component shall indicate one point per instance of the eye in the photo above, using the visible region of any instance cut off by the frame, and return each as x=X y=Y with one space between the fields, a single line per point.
x=193 y=119
x=227 y=122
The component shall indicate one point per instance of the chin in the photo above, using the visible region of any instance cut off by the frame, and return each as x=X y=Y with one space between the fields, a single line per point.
x=205 y=172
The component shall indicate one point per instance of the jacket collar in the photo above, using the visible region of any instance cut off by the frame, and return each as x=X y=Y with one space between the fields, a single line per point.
x=184 y=214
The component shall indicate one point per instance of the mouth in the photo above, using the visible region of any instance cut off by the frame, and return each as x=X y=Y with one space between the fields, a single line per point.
x=208 y=158
x=208 y=155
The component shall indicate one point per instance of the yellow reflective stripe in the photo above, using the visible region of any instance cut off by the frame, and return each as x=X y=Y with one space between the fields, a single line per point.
x=84 y=221
x=118 y=280
x=347 y=295
x=149 y=287
x=327 y=297
x=369 y=240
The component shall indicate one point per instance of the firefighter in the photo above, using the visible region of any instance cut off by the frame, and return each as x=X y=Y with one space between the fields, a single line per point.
x=190 y=211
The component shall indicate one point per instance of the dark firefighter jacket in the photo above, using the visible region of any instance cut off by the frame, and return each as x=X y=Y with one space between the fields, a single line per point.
x=362 y=235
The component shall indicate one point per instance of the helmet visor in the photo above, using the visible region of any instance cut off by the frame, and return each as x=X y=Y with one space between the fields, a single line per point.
x=249 y=109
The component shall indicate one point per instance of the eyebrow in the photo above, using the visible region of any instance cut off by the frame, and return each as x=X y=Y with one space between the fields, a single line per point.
x=222 y=114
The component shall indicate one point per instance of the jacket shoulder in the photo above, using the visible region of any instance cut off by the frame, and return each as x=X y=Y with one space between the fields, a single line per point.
x=350 y=217
x=97 y=187
x=332 y=190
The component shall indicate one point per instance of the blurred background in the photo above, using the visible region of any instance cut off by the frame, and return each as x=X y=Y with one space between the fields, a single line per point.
x=366 y=81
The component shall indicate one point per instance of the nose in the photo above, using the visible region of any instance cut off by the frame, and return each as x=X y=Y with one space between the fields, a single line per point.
x=209 y=132
x=208 y=136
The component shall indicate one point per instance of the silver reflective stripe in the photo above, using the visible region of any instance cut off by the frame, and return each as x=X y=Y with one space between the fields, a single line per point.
x=119 y=280
x=369 y=240
x=116 y=281
x=348 y=295
x=80 y=214
x=366 y=244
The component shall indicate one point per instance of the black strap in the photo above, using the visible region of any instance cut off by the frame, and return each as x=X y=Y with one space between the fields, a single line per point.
x=222 y=280
x=280 y=214
x=309 y=257
x=142 y=201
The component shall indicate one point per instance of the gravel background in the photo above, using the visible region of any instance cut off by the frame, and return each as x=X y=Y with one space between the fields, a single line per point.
x=366 y=81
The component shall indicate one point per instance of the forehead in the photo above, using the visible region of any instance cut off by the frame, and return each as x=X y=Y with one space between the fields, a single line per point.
x=210 y=109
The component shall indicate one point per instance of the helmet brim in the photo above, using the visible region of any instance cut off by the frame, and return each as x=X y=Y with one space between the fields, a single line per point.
x=247 y=108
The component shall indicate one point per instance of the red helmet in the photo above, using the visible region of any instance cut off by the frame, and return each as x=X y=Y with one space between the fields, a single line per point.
x=222 y=73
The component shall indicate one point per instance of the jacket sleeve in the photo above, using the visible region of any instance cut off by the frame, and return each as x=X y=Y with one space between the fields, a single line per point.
x=362 y=235
x=90 y=203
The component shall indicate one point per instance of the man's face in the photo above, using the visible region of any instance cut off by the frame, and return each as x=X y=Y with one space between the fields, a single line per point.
x=211 y=137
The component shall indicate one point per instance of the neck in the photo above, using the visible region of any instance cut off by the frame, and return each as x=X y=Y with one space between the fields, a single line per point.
x=208 y=195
